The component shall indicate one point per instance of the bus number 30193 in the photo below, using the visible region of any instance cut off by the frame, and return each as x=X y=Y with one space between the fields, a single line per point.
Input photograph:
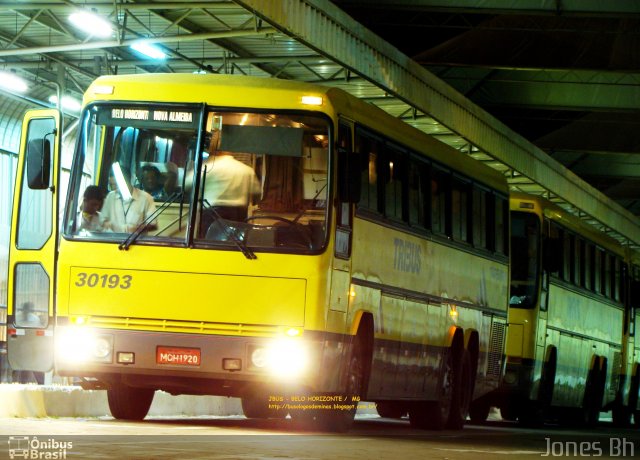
x=93 y=280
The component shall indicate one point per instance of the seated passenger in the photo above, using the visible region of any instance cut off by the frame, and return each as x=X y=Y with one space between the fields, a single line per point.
x=89 y=217
x=152 y=183
x=126 y=206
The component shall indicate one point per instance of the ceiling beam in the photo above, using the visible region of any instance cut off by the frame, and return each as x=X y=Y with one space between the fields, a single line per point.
x=308 y=60
x=109 y=5
x=121 y=43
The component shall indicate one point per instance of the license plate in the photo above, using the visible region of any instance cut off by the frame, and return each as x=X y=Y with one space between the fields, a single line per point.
x=178 y=356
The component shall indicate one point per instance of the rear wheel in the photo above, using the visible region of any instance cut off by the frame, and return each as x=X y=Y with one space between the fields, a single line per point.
x=462 y=392
x=433 y=415
x=479 y=411
x=594 y=392
x=129 y=403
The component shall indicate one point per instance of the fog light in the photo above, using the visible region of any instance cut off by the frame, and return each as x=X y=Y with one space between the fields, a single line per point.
x=231 y=364
x=101 y=347
x=126 y=357
x=80 y=345
x=259 y=357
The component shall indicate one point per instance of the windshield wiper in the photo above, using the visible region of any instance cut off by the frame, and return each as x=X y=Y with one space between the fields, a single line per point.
x=143 y=225
x=304 y=208
x=231 y=233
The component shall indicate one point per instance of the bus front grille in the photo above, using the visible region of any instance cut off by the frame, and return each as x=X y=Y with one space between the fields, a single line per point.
x=195 y=327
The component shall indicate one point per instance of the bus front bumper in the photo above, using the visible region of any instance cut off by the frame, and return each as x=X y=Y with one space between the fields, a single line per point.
x=185 y=363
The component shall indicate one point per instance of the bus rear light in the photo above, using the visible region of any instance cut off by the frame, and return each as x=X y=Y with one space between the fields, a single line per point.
x=231 y=364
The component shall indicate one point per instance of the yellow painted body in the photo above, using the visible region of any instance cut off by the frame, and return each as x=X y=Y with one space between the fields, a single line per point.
x=221 y=301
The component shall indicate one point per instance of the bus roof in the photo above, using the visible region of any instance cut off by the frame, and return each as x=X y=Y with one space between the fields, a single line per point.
x=544 y=207
x=271 y=93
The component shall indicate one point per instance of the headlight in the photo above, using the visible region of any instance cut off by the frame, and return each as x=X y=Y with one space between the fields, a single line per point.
x=79 y=345
x=282 y=358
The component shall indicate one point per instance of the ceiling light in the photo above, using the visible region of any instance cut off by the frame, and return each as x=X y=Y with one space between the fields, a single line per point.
x=91 y=24
x=149 y=50
x=68 y=103
x=12 y=82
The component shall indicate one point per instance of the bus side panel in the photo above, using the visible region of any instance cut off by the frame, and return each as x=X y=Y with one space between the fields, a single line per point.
x=407 y=284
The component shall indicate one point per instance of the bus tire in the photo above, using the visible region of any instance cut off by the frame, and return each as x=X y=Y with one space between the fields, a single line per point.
x=535 y=412
x=433 y=415
x=621 y=415
x=390 y=409
x=340 y=420
x=462 y=392
x=257 y=406
x=594 y=392
x=633 y=397
x=129 y=403
x=479 y=411
x=510 y=411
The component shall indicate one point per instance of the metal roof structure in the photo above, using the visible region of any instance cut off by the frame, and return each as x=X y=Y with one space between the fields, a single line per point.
x=476 y=49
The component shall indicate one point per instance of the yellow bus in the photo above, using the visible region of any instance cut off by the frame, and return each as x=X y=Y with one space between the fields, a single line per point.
x=370 y=262
x=566 y=317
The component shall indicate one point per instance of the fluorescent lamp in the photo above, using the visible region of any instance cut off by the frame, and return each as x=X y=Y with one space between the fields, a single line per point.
x=149 y=50
x=68 y=103
x=12 y=82
x=91 y=24
x=121 y=182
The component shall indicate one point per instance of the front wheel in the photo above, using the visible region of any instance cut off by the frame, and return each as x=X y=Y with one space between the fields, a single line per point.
x=390 y=409
x=129 y=403
x=340 y=419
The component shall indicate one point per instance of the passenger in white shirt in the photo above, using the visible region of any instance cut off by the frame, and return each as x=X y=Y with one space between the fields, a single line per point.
x=125 y=215
x=229 y=187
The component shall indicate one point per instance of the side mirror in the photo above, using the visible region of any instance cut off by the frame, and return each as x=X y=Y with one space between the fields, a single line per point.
x=38 y=163
x=348 y=176
x=552 y=254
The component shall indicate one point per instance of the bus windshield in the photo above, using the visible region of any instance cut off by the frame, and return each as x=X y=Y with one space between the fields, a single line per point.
x=525 y=243
x=262 y=181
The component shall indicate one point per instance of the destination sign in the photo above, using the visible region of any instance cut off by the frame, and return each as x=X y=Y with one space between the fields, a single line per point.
x=147 y=117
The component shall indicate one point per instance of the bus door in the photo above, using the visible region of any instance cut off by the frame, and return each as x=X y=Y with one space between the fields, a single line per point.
x=32 y=248
x=341 y=268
